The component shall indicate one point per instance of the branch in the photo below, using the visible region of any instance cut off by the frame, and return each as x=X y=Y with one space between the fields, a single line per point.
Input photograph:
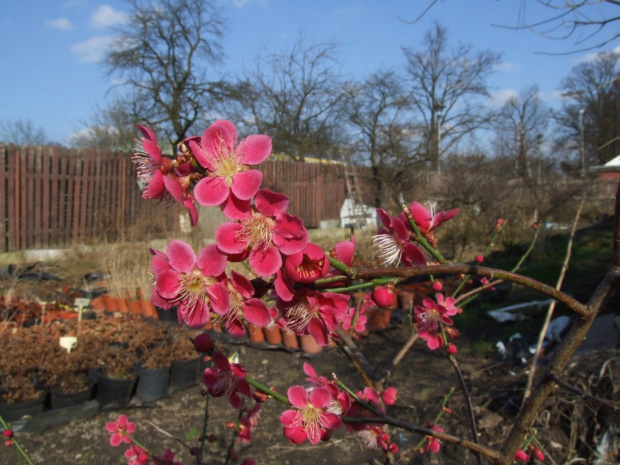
x=582 y=394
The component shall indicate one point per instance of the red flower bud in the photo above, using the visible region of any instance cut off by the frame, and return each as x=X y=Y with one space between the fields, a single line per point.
x=204 y=344
x=7 y=433
x=389 y=396
x=233 y=455
x=451 y=349
x=479 y=258
x=383 y=296
x=500 y=223
x=521 y=456
x=248 y=462
x=537 y=453
x=393 y=448
x=259 y=396
x=437 y=286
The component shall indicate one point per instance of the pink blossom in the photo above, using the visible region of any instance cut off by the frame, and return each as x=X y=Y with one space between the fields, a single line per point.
x=360 y=323
x=178 y=187
x=226 y=379
x=428 y=317
x=521 y=456
x=393 y=242
x=500 y=223
x=437 y=286
x=479 y=258
x=313 y=312
x=451 y=348
x=242 y=304
x=345 y=251
x=136 y=455
x=121 y=430
x=341 y=402
x=427 y=219
x=247 y=422
x=194 y=284
x=266 y=234
x=448 y=304
x=229 y=182
x=167 y=459
x=374 y=437
x=389 y=396
x=310 y=418
x=151 y=165
x=308 y=265
x=433 y=444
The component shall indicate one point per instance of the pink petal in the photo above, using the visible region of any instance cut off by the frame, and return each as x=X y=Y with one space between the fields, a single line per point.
x=330 y=421
x=227 y=240
x=246 y=184
x=175 y=189
x=236 y=209
x=147 y=133
x=219 y=298
x=421 y=215
x=414 y=254
x=235 y=400
x=317 y=329
x=159 y=262
x=211 y=191
x=241 y=284
x=283 y=286
x=116 y=440
x=230 y=128
x=168 y=284
x=384 y=217
x=320 y=397
x=191 y=209
x=181 y=256
x=111 y=427
x=152 y=149
x=309 y=370
x=156 y=186
x=345 y=251
x=255 y=311
x=298 y=396
x=445 y=216
x=255 y=149
x=159 y=301
x=400 y=229
x=290 y=235
x=221 y=362
x=203 y=157
x=296 y=435
x=270 y=203
x=195 y=316
x=235 y=327
x=265 y=262
x=211 y=261
x=288 y=416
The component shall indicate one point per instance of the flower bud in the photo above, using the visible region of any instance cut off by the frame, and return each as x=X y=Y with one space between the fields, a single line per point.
x=437 y=286
x=7 y=433
x=259 y=396
x=233 y=455
x=393 y=448
x=451 y=349
x=383 y=296
x=389 y=396
x=500 y=223
x=521 y=456
x=204 y=344
x=479 y=258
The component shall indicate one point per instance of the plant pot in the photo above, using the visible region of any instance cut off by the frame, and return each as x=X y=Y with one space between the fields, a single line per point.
x=19 y=410
x=98 y=303
x=406 y=298
x=122 y=305
x=289 y=339
x=153 y=384
x=255 y=333
x=113 y=393
x=135 y=307
x=273 y=335
x=71 y=399
x=309 y=345
x=184 y=374
x=148 y=309
x=379 y=318
x=111 y=305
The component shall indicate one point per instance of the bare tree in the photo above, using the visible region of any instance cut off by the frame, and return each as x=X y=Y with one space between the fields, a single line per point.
x=163 y=55
x=521 y=126
x=380 y=133
x=22 y=132
x=590 y=116
x=294 y=96
x=446 y=86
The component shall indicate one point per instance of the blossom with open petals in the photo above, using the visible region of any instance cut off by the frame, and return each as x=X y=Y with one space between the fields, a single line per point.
x=136 y=455
x=226 y=379
x=428 y=318
x=432 y=443
x=193 y=283
x=448 y=304
x=151 y=165
x=166 y=459
x=121 y=430
x=242 y=304
x=315 y=313
x=393 y=242
x=310 y=418
x=265 y=235
x=307 y=265
x=427 y=219
x=229 y=182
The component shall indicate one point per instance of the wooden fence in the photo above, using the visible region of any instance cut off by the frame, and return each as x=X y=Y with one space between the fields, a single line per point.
x=54 y=196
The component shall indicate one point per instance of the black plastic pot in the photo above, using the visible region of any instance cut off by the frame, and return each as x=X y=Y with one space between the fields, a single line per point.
x=184 y=374
x=169 y=316
x=114 y=393
x=153 y=384
x=29 y=408
x=71 y=399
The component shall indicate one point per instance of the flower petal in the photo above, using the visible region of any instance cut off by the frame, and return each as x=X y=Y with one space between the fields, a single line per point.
x=297 y=396
x=320 y=397
x=219 y=298
x=270 y=203
x=227 y=240
x=241 y=284
x=181 y=256
x=265 y=262
x=211 y=261
x=246 y=184
x=255 y=149
x=255 y=311
x=211 y=191
x=236 y=209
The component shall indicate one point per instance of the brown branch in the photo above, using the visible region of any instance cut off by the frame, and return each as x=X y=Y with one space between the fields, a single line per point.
x=401 y=354
x=361 y=364
x=491 y=273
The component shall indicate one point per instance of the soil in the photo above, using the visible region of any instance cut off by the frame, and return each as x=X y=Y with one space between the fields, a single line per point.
x=568 y=427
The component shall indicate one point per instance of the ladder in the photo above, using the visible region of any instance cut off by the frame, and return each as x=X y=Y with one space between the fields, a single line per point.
x=354 y=194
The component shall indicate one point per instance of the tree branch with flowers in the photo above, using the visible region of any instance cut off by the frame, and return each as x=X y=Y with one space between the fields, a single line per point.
x=306 y=290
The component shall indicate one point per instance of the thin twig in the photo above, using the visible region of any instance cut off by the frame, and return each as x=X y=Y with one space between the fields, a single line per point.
x=558 y=286
x=401 y=354
x=582 y=394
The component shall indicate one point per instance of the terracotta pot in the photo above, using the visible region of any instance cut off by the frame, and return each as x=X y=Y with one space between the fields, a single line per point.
x=273 y=335
x=380 y=318
x=255 y=333
x=290 y=340
x=110 y=303
x=97 y=303
x=309 y=345
x=148 y=309
x=135 y=307
x=122 y=305
x=406 y=298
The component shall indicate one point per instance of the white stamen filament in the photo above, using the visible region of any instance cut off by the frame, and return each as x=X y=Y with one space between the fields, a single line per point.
x=390 y=248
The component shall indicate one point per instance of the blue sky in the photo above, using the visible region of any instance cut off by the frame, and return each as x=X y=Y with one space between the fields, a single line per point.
x=51 y=73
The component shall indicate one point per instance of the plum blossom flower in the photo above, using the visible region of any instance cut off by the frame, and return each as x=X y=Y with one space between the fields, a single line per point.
x=230 y=183
x=521 y=456
x=383 y=296
x=121 y=430
x=374 y=437
x=349 y=317
x=151 y=165
x=393 y=242
x=226 y=379
x=389 y=396
x=433 y=444
x=307 y=265
x=136 y=455
x=448 y=304
x=242 y=304
x=166 y=459
x=313 y=312
x=428 y=317
x=310 y=418
x=427 y=219
x=192 y=283
x=266 y=234
x=247 y=422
